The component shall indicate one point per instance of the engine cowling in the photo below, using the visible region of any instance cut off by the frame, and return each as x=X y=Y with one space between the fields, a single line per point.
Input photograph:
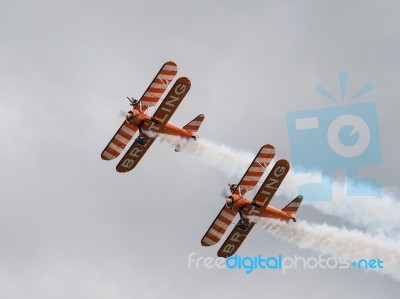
x=129 y=117
x=229 y=201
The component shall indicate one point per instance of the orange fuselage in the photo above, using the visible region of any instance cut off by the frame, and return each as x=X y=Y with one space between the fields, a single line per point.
x=147 y=124
x=267 y=212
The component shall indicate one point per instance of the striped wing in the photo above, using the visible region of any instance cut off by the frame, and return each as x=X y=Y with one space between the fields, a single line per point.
x=248 y=182
x=171 y=102
x=150 y=98
x=158 y=86
x=263 y=197
x=119 y=141
x=255 y=170
x=271 y=184
x=219 y=226
x=234 y=240
x=133 y=155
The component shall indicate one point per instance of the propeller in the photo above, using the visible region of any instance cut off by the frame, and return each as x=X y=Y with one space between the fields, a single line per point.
x=225 y=193
x=122 y=113
x=132 y=102
x=228 y=197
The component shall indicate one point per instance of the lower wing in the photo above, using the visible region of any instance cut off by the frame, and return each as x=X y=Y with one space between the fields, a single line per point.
x=134 y=154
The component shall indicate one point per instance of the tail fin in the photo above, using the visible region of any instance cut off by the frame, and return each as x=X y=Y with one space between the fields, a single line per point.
x=294 y=205
x=195 y=124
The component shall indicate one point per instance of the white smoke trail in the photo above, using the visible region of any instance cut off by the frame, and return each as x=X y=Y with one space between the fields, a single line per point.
x=347 y=244
x=375 y=214
x=227 y=160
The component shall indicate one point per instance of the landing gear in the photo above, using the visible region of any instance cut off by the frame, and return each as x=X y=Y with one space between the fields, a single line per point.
x=178 y=148
x=241 y=225
x=256 y=204
x=155 y=120
x=141 y=140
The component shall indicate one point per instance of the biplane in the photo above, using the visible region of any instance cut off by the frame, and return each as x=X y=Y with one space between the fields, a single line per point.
x=237 y=203
x=150 y=127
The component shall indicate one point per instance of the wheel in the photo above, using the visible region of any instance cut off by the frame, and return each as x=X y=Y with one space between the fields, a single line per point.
x=141 y=140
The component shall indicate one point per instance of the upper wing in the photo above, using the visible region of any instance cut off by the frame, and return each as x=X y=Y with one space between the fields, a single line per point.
x=170 y=103
x=119 y=141
x=270 y=185
x=134 y=154
x=248 y=182
x=263 y=197
x=255 y=170
x=158 y=86
x=150 y=98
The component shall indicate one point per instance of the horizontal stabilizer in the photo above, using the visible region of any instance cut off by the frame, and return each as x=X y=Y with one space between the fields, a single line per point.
x=195 y=124
x=294 y=205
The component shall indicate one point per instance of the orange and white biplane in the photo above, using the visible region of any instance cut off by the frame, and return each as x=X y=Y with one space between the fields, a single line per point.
x=150 y=126
x=259 y=206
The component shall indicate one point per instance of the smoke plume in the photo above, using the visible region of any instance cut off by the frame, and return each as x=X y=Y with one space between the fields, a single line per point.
x=351 y=245
x=379 y=216
x=227 y=160
x=375 y=214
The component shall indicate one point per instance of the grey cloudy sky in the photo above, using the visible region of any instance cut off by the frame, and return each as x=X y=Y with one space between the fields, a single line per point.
x=72 y=227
